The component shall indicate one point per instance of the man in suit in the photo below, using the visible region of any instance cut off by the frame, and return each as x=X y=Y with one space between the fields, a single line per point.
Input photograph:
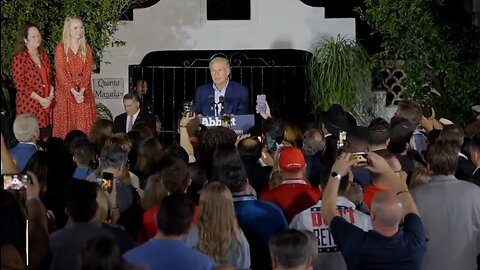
x=27 y=132
x=132 y=115
x=465 y=166
x=449 y=209
x=335 y=119
x=145 y=99
x=475 y=154
x=223 y=96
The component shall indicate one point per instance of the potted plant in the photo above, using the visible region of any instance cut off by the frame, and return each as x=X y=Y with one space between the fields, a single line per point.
x=338 y=72
x=103 y=112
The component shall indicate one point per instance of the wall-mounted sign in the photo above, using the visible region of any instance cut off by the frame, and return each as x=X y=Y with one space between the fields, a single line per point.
x=108 y=88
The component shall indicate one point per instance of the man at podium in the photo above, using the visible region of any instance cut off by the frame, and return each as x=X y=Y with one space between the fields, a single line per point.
x=223 y=96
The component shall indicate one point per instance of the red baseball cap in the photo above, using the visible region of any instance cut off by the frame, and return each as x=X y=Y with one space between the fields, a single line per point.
x=291 y=160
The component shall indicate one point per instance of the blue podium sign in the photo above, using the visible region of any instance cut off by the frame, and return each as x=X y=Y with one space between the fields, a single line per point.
x=238 y=123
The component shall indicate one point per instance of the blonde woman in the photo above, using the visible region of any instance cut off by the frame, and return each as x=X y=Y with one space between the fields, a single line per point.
x=217 y=233
x=75 y=103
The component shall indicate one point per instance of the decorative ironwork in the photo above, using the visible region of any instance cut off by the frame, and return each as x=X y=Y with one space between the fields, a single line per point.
x=236 y=59
x=203 y=61
x=391 y=76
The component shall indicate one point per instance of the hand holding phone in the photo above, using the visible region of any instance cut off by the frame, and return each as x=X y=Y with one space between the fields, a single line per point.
x=271 y=142
x=16 y=181
x=107 y=182
x=261 y=103
x=360 y=159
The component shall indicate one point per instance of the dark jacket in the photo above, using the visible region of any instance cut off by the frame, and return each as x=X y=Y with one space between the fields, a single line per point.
x=236 y=99
x=120 y=122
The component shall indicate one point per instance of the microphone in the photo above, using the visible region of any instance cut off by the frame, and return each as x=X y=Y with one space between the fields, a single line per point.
x=221 y=101
x=211 y=101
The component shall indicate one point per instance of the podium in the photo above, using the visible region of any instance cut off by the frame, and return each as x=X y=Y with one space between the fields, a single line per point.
x=238 y=123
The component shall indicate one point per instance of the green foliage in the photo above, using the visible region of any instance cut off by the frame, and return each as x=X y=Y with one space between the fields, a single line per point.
x=338 y=73
x=100 y=17
x=435 y=56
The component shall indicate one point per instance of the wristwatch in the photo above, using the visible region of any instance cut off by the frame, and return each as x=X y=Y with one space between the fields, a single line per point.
x=336 y=176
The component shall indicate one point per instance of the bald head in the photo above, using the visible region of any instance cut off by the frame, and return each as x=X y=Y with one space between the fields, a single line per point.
x=387 y=210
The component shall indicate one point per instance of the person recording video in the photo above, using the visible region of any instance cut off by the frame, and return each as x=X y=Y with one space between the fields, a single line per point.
x=223 y=96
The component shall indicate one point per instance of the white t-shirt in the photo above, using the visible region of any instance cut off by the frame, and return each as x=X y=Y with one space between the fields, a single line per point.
x=329 y=256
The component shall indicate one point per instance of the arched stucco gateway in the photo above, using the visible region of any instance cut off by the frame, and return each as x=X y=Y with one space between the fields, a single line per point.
x=183 y=25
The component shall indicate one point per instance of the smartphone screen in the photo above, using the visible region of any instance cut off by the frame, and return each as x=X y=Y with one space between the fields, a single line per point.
x=271 y=143
x=360 y=159
x=15 y=181
x=261 y=103
x=107 y=181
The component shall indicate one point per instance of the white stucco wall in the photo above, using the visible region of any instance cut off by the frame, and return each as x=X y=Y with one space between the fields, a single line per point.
x=182 y=25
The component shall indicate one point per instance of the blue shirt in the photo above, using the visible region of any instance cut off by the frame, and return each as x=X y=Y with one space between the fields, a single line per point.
x=168 y=254
x=21 y=154
x=419 y=141
x=314 y=169
x=370 y=250
x=264 y=218
x=259 y=220
x=82 y=173
x=362 y=176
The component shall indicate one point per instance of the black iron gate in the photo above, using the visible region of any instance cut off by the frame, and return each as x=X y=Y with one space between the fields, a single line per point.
x=173 y=76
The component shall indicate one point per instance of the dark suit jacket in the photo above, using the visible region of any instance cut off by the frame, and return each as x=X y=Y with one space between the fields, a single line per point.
x=120 y=122
x=330 y=152
x=236 y=99
x=465 y=168
x=476 y=180
x=146 y=104
x=22 y=153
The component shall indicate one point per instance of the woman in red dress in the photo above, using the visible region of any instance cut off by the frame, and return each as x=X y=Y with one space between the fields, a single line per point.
x=33 y=77
x=75 y=104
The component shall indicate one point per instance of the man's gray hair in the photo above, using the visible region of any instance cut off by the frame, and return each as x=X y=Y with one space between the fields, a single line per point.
x=26 y=128
x=311 y=145
x=291 y=248
x=217 y=59
x=113 y=156
x=132 y=96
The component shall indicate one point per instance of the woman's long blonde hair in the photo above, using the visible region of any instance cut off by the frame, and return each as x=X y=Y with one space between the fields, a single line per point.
x=155 y=192
x=217 y=222
x=66 y=39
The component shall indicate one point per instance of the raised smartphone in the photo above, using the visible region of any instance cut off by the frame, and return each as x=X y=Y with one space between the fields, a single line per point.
x=360 y=159
x=107 y=182
x=261 y=103
x=15 y=181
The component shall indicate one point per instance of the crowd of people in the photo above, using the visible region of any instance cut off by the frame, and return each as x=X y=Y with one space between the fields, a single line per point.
x=400 y=193
x=275 y=198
